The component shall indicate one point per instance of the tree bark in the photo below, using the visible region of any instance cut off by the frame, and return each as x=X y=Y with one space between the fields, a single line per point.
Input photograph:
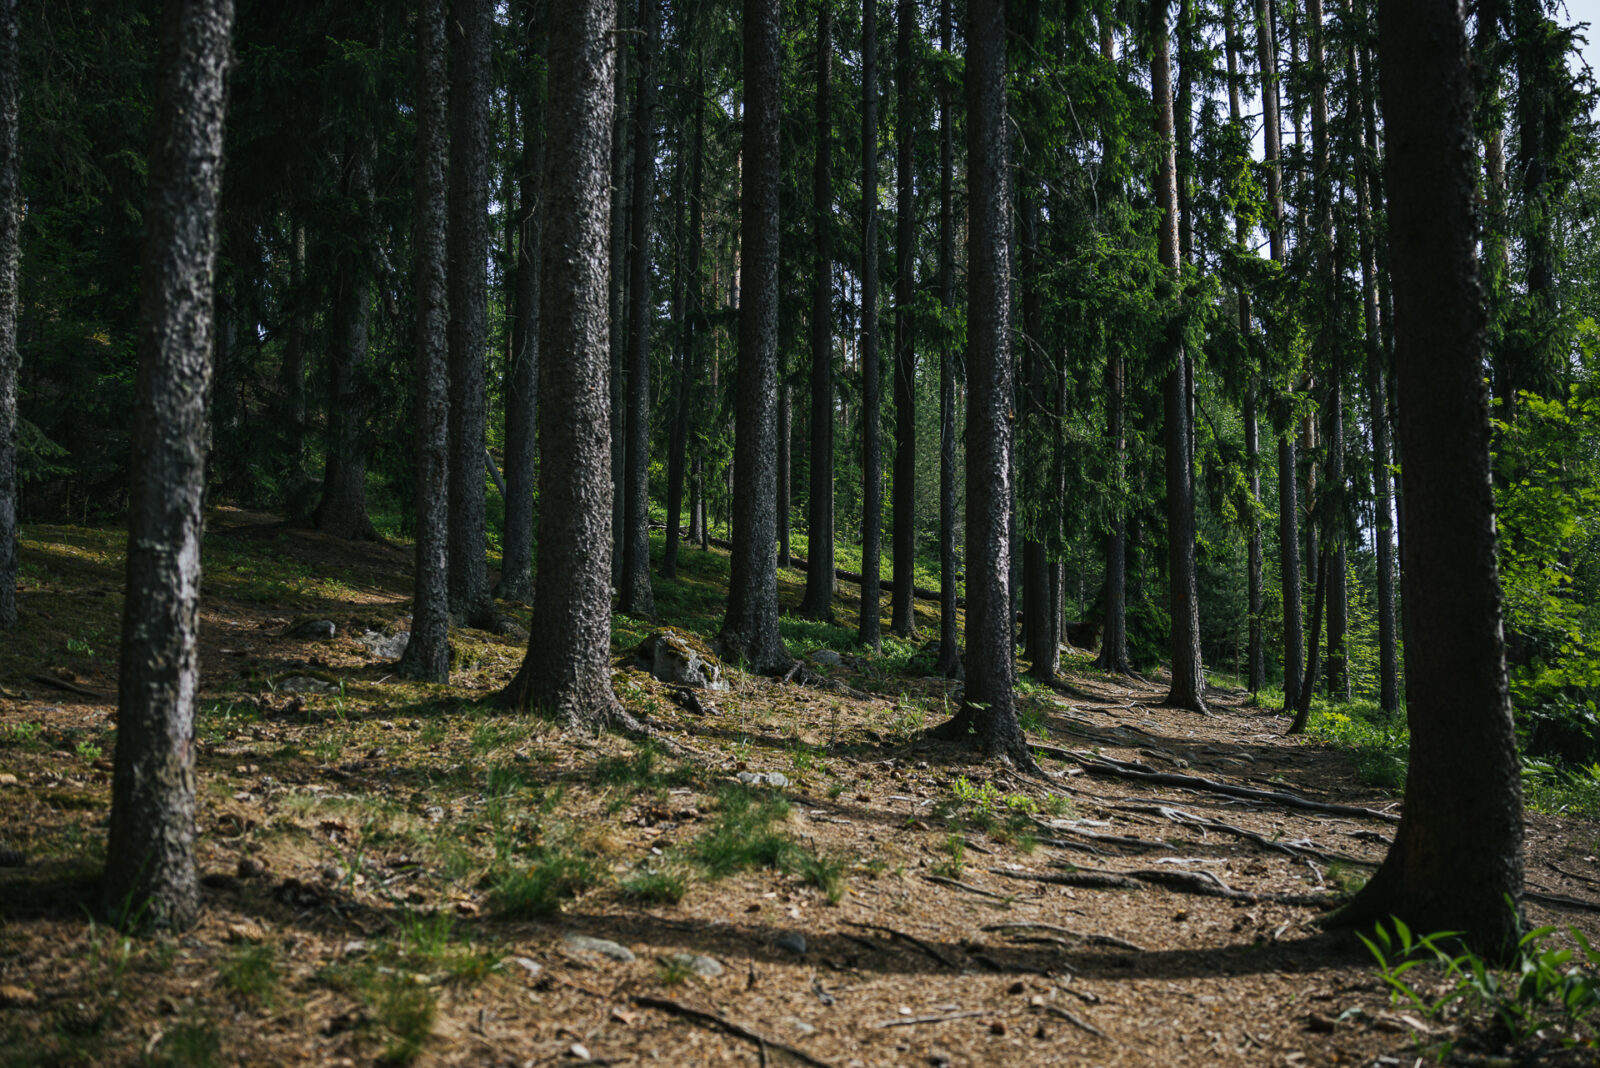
x=567 y=670
x=689 y=373
x=1458 y=851
x=949 y=646
x=868 y=631
x=522 y=387
x=634 y=595
x=150 y=878
x=10 y=361
x=468 y=250
x=1188 y=676
x=902 y=618
x=617 y=383
x=817 y=602
x=750 y=629
x=987 y=720
x=1041 y=644
x=343 y=511
x=427 y=653
x=292 y=375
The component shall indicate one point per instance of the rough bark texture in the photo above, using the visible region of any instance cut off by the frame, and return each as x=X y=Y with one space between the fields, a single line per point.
x=1458 y=850
x=150 y=877
x=750 y=630
x=292 y=373
x=688 y=360
x=10 y=363
x=468 y=244
x=1114 y=625
x=868 y=630
x=902 y=620
x=1188 y=677
x=785 y=433
x=987 y=720
x=634 y=595
x=343 y=511
x=567 y=670
x=617 y=383
x=949 y=647
x=522 y=385
x=427 y=654
x=1041 y=643
x=820 y=582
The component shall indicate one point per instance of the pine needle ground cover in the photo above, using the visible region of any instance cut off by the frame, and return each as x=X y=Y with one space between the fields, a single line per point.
x=399 y=874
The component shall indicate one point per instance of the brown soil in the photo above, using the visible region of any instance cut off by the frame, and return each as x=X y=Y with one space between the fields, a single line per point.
x=311 y=806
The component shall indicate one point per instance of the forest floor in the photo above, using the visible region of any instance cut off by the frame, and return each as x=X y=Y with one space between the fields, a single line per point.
x=398 y=873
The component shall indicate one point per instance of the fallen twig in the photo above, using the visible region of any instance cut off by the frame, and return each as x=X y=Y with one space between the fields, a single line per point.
x=911 y=939
x=1075 y=1021
x=1561 y=899
x=1105 y=940
x=907 y=1021
x=688 y=1012
x=945 y=880
x=63 y=684
x=1202 y=883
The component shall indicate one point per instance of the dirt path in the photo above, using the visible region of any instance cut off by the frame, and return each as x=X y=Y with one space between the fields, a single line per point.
x=358 y=842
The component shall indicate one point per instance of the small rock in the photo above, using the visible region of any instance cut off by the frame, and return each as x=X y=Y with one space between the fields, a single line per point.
x=938 y=1058
x=315 y=630
x=19 y=996
x=672 y=658
x=704 y=967
x=764 y=778
x=1320 y=1024
x=998 y=1027
x=305 y=684
x=603 y=946
x=529 y=965
x=1017 y=987
x=248 y=931
x=803 y=1028
x=385 y=646
x=7 y=779
x=579 y=1051
x=251 y=868
x=826 y=657
x=330 y=872
x=793 y=941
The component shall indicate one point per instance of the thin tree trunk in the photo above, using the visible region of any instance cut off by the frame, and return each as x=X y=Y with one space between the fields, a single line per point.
x=785 y=433
x=689 y=373
x=987 y=720
x=427 y=653
x=949 y=647
x=750 y=629
x=634 y=595
x=516 y=562
x=1041 y=646
x=902 y=618
x=292 y=375
x=10 y=361
x=150 y=878
x=468 y=242
x=821 y=583
x=868 y=632
x=567 y=670
x=1302 y=699
x=1457 y=855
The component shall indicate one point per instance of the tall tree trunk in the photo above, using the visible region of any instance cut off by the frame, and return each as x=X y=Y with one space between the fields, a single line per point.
x=689 y=374
x=427 y=654
x=150 y=877
x=785 y=434
x=949 y=648
x=1041 y=645
x=902 y=617
x=468 y=244
x=617 y=383
x=292 y=374
x=1114 y=626
x=1457 y=854
x=10 y=362
x=1188 y=677
x=567 y=671
x=987 y=720
x=871 y=374
x=817 y=602
x=516 y=561
x=634 y=595
x=343 y=511
x=750 y=629
x=1302 y=699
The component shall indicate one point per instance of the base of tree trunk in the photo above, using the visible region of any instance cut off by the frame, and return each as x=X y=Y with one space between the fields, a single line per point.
x=977 y=728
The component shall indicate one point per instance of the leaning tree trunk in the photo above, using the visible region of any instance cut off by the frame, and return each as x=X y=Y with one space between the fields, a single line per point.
x=427 y=654
x=10 y=363
x=468 y=244
x=868 y=632
x=902 y=617
x=1188 y=677
x=817 y=602
x=987 y=719
x=150 y=877
x=567 y=671
x=522 y=386
x=949 y=646
x=343 y=511
x=634 y=595
x=750 y=629
x=1457 y=855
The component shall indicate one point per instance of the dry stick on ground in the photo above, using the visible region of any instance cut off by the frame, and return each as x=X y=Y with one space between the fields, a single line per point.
x=907 y=1021
x=1098 y=939
x=63 y=684
x=911 y=939
x=1075 y=1021
x=688 y=1012
x=1562 y=900
x=944 y=880
x=1201 y=883
x=1117 y=769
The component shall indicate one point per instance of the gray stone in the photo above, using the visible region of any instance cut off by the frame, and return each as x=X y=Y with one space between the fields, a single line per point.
x=529 y=965
x=315 y=630
x=385 y=646
x=704 y=967
x=672 y=658
x=602 y=946
x=764 y=778
x=826 y=657
x=793 y=941
x=305 y=684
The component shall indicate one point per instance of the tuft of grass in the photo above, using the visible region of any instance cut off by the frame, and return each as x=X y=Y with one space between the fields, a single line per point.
x=662 y=885
x=956 y=846
x=742 y=837
x=825 y=871
x=540 y=888
x=406 y=1010
x=189 y=1044
x=252 y=973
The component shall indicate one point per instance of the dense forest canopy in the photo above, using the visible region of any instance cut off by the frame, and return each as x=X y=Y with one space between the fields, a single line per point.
x=1088 y=320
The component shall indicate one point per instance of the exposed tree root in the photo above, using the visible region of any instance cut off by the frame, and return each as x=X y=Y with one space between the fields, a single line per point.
x=700 y=1016
x=1093 y=939
x=1202 y=883
x=1178 y=815
x=909 y=939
